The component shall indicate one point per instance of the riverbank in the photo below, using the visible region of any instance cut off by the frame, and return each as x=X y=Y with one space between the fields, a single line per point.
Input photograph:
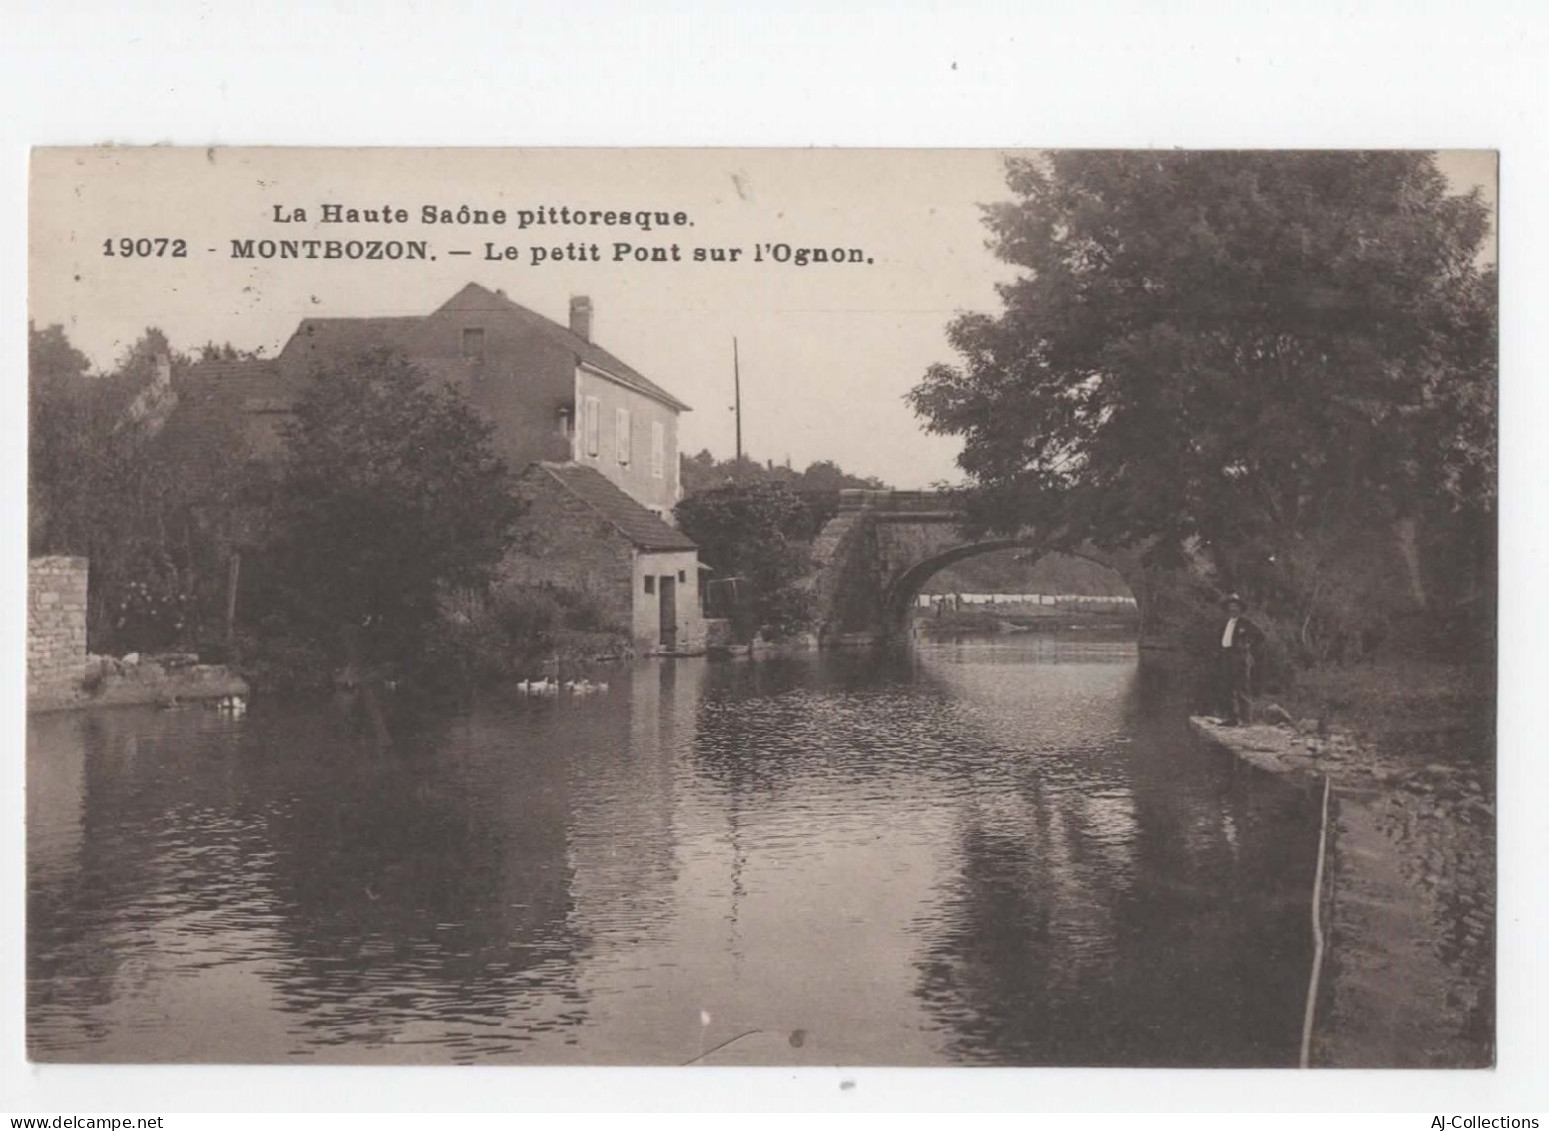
x=982 y=620
x=107 y=681
x=1408 y=979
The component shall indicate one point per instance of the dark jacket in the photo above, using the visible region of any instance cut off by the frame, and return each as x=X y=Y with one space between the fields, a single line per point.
x=1246 y=637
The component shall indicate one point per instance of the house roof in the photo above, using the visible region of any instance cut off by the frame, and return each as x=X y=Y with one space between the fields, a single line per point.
x=248 y=385
x=234 y=367
x=475 y=297
x=343 y=337
x=624 y=514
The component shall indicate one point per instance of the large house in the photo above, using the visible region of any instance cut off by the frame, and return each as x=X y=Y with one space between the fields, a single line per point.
x=583 y=423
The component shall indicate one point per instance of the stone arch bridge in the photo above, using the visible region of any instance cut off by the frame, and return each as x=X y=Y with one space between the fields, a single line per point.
x=874 y=555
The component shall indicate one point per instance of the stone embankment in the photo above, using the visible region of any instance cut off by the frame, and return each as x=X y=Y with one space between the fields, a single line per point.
x=60 y=673
x=106 y=681
x=1410 y=899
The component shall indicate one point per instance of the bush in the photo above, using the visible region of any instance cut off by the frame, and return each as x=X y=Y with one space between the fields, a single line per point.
x=149 y=614
x=391 y=494
x=519 y=632
x=465 y=653
x=278 y=660
x=759 y=534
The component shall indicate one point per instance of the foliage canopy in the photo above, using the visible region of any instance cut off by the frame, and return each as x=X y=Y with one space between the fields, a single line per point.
x=1225 y=347
x=391 y=496
x=117 y=476
x=757 y=533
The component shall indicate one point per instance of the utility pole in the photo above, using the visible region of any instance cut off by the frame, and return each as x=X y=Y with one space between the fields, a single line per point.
x=736 y=376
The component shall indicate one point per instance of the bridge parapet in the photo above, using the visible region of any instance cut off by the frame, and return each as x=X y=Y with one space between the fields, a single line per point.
x=853 y=499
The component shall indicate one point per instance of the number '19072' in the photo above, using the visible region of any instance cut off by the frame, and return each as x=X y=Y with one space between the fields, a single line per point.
x=145 y=247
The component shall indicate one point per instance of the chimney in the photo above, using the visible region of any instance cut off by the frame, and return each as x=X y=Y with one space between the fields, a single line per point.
x=581 y=316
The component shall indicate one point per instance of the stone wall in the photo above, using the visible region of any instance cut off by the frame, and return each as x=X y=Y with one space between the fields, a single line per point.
x=56 y=626
x=846 y=580
x=561 y=541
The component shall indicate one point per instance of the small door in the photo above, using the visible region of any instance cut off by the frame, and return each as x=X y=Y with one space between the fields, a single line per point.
x=668 y=586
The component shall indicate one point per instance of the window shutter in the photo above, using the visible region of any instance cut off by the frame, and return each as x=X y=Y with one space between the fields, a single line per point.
x=621 y=434
x=593 y=426
x=658 y=449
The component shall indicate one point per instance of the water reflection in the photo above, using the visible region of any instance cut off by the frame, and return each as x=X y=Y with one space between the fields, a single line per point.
x=1004 y=851
x=1109 y=909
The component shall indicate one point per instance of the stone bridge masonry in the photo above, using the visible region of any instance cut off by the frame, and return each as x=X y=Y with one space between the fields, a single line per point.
x=871 y=559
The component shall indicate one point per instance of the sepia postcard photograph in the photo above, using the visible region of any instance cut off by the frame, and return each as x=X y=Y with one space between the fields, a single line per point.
x=762 y=607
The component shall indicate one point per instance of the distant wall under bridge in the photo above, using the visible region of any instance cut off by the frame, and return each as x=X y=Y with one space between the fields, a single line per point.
x=873 y=557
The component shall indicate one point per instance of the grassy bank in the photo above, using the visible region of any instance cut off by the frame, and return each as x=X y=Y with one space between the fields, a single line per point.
x=1410 y=710
x=1409 y=745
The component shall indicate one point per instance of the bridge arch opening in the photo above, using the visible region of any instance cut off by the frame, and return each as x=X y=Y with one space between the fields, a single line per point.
x=902 y=596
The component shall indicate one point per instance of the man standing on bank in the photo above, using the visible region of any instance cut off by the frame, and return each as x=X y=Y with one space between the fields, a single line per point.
x=1239 y=639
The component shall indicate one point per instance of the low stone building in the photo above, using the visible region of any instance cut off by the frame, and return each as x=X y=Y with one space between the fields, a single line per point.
x=581 y=531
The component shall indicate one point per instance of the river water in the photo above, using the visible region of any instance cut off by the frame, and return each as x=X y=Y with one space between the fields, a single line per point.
x=998 y=851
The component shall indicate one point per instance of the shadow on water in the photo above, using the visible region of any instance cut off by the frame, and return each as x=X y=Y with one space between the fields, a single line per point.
x=1140 y=901
x=290 y=866
x=1005 y=851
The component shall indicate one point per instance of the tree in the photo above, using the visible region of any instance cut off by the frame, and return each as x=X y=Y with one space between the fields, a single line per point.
x=1230 y=351
x=756 y=534
x=826 y=475
x=703 y=471
x=700 y=472
x=137 y=365
x=57 y=418
x=117 y=477
x=391 y=496
x=225 y=351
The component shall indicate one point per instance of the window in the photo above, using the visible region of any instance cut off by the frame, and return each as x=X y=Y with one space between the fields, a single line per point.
x=683 y=575
x=650 y=584
x=473 y=342
x=593 y=424
x=658 y=449
x=621 y=425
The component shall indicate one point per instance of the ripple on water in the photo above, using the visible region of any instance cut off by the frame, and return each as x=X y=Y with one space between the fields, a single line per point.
x=984 y=853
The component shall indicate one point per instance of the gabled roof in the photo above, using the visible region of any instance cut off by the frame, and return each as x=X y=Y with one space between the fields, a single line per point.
x=254 y=385
x=624 y=514
x=235 y=367
x=475 y=297
x=339 y=338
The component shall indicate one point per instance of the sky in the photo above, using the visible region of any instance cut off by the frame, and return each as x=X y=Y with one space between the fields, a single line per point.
x=827 y=352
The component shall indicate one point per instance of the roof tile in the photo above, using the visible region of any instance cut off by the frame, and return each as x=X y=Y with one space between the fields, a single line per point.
x=475 y=297
x=629 y=518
